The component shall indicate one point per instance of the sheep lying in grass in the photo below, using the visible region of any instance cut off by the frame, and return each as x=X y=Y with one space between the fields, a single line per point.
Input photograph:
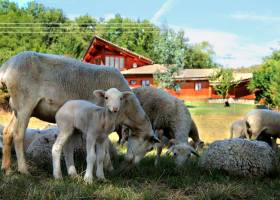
x=30 y=136
x=93 y=121
x=239 y=157
x=263 y=125
x=169 y=114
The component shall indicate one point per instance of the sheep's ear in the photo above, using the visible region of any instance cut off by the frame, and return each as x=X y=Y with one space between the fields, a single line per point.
x=126 y=94
x=99 y=93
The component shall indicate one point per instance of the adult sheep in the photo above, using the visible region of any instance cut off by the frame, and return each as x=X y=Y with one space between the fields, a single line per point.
x=239 y=157
x=39 y=84
x=170 y=114
x=264 y=125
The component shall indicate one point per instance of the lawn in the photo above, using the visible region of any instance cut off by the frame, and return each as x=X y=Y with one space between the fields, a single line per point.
x=146 y=181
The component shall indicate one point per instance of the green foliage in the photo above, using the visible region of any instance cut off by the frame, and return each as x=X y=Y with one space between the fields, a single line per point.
x=166 y=79
x=223 y=81
x=47 y=30
x=199 y=56
x=265 y=81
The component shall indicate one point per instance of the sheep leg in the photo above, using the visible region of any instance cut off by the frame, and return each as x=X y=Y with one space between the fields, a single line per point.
x=159 y=150
x=7 y=145
x=100 y=150
x=57 y=148
x=68 y=152
x=91 y=157
x=107 y=160
x=21 y=123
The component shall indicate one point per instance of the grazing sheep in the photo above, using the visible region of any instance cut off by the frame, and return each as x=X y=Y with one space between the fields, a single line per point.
x=169 y=114
x=239 y=157
x=264 y=125
x=95 y=122
x=44 y=82
x=238 y=129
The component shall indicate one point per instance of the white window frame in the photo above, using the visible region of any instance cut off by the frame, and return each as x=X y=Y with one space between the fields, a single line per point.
x=145 y=83
x=197 y=86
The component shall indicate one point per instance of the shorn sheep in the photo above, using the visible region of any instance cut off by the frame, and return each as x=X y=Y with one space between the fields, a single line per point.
x=239 y=157
x=238 y=129
x=263 y=125
x=44 y=82
x=169 y=115
x=93 y=121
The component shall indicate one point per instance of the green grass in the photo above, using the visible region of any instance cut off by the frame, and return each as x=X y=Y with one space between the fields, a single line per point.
x=147 y=181
x=143 y=182
x=203 y=108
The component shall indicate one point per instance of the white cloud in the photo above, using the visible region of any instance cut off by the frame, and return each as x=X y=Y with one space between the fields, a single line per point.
x=165 y=7
x=231 y=49
x=254 y=17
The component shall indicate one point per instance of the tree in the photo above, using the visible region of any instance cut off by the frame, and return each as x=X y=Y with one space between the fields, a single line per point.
x=170 y=49
x=199 y=56
x=265 y=80
x=223 y=82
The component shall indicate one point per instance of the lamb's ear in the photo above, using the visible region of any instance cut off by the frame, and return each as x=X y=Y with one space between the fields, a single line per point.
x=126 y=94
x=99 y=93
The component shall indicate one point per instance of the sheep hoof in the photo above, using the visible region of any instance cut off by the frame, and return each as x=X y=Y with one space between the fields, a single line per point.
x=88 y=180
x=57 y=176
x=24 y=171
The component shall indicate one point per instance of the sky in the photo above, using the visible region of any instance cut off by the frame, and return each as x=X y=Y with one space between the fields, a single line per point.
x=242 y=32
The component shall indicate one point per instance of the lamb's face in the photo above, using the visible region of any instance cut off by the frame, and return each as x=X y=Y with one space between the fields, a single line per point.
x=181 y=153
x=113 y=98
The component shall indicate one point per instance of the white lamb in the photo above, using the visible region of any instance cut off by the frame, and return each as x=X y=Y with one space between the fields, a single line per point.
x=93 y=121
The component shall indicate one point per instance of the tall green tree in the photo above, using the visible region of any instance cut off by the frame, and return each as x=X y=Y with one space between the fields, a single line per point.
x=170 y=49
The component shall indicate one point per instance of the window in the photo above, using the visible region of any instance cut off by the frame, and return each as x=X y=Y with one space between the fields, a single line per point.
x=107 y=59
x=145 y=83
x=117 y=62
x=121 y=63
x=132 y=82
x=197 y=86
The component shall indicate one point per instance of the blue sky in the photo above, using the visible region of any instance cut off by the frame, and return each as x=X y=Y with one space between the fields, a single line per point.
x=241 y=32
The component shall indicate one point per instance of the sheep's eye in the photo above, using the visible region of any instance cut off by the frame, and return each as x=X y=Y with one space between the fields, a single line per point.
x=121 y=98
x=106 y=98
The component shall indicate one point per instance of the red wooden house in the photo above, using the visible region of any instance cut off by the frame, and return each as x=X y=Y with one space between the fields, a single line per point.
x=103 y=52
x=193 y=84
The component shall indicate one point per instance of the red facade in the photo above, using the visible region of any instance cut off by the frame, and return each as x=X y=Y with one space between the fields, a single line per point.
x=103 y=52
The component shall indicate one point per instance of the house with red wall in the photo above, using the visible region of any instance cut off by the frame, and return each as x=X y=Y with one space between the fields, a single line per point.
x=193 y=84
x=103 y=52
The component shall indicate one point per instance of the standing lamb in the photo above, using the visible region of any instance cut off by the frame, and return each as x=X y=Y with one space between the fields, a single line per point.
x=95 y=122
x=263 y=124
x=239 y=157
x=169 y=114
x=39 y=84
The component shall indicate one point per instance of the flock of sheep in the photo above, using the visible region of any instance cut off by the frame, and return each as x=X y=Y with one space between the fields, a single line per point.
x=88 y=102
